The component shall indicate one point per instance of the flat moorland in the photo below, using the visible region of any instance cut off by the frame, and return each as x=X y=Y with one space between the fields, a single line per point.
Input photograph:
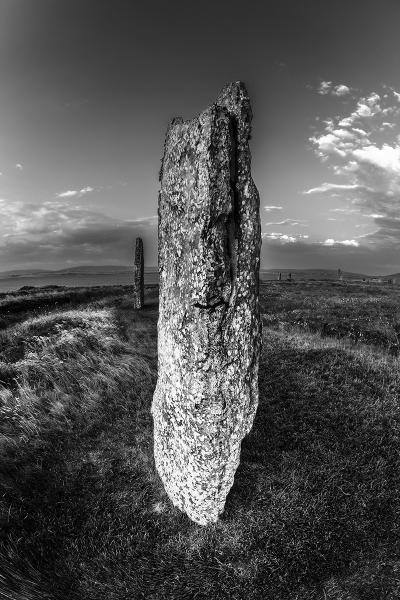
x=314 y=513
x=357 y=313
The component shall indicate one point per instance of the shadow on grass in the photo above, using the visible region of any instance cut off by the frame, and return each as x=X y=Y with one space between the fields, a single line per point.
x=318 y=484
x=316 y=492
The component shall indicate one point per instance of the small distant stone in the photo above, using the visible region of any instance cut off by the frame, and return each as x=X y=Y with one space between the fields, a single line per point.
x=138 y=275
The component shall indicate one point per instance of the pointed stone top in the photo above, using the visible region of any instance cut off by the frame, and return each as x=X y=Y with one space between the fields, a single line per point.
x=235 y=99
x=233 y=89
x=233 y=94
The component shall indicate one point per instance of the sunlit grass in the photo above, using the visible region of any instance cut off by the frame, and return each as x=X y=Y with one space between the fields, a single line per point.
x=314 y=512
x=64 y=362
x=18 y=305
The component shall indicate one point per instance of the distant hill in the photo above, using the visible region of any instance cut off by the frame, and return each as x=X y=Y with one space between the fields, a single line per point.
x=85 y=269
x=21 y=272
x=265 y=274
x=319 y=274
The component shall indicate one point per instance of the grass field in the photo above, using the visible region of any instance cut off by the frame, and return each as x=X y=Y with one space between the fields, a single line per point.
x=314 y=513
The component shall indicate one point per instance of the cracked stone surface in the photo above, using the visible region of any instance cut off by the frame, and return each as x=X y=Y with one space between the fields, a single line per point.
x=209 y=330
x=138 y=275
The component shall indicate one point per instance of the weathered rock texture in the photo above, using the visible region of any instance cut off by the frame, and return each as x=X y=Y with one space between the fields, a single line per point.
x=138 y=275
x=209 y=331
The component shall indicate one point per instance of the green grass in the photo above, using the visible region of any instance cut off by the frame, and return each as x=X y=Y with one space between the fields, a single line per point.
x=314 y=513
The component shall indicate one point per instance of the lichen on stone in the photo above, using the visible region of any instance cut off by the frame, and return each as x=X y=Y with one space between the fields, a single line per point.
x=209 y=330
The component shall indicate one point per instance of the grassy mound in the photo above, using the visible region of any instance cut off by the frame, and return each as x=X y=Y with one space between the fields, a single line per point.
x=314 y=511
x=28 y=300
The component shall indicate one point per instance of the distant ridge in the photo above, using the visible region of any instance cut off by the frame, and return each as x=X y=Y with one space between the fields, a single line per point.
x=268 y=274
x=265 y=274
x=84 y=269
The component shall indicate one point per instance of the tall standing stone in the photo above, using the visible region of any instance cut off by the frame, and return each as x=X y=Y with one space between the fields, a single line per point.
x=209 y=331
x=138 y=275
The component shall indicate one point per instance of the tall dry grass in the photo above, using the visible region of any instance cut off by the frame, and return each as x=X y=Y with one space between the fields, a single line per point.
x=314 y=513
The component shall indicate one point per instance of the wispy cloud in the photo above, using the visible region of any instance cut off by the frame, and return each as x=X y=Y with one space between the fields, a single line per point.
x=345 y=211
x=333 y=187
x=67 y=194
x=284 y=237
x=396 y=95
x=271 y=208
x=298 y=253
x=362 y=148
x=56 y=231
x=77 y=193
x=285 y=222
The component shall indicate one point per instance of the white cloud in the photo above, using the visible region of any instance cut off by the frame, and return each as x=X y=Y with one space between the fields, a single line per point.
x=284 y=237
x=288 y=238
x=67 y=194
x=347 y=146
x=77 y=193
x=360 y=131
x=332 y=242
x=363 y=149
x=368 y=107
x=333 y=187
x=328 y=144
x=396 y=95
x=324 y=88
x=301 y=222
x=349 y=243
x=341 y=90
x=345 y=211
x=327 y=87
x=346 y=122
x=343 y=134
x=19 y=166
x=270 y=208
x=386 y=158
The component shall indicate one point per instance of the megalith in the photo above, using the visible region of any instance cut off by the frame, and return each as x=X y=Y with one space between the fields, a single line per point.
x=209 y=330
x=138 y=275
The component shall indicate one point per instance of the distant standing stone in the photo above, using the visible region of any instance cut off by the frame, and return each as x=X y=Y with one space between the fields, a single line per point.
x=209 y=330
x=138 y=275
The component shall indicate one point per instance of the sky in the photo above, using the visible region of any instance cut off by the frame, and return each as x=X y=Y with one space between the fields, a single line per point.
x=88 y=88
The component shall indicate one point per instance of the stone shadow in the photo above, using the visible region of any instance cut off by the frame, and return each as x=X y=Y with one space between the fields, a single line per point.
x=318 y=479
